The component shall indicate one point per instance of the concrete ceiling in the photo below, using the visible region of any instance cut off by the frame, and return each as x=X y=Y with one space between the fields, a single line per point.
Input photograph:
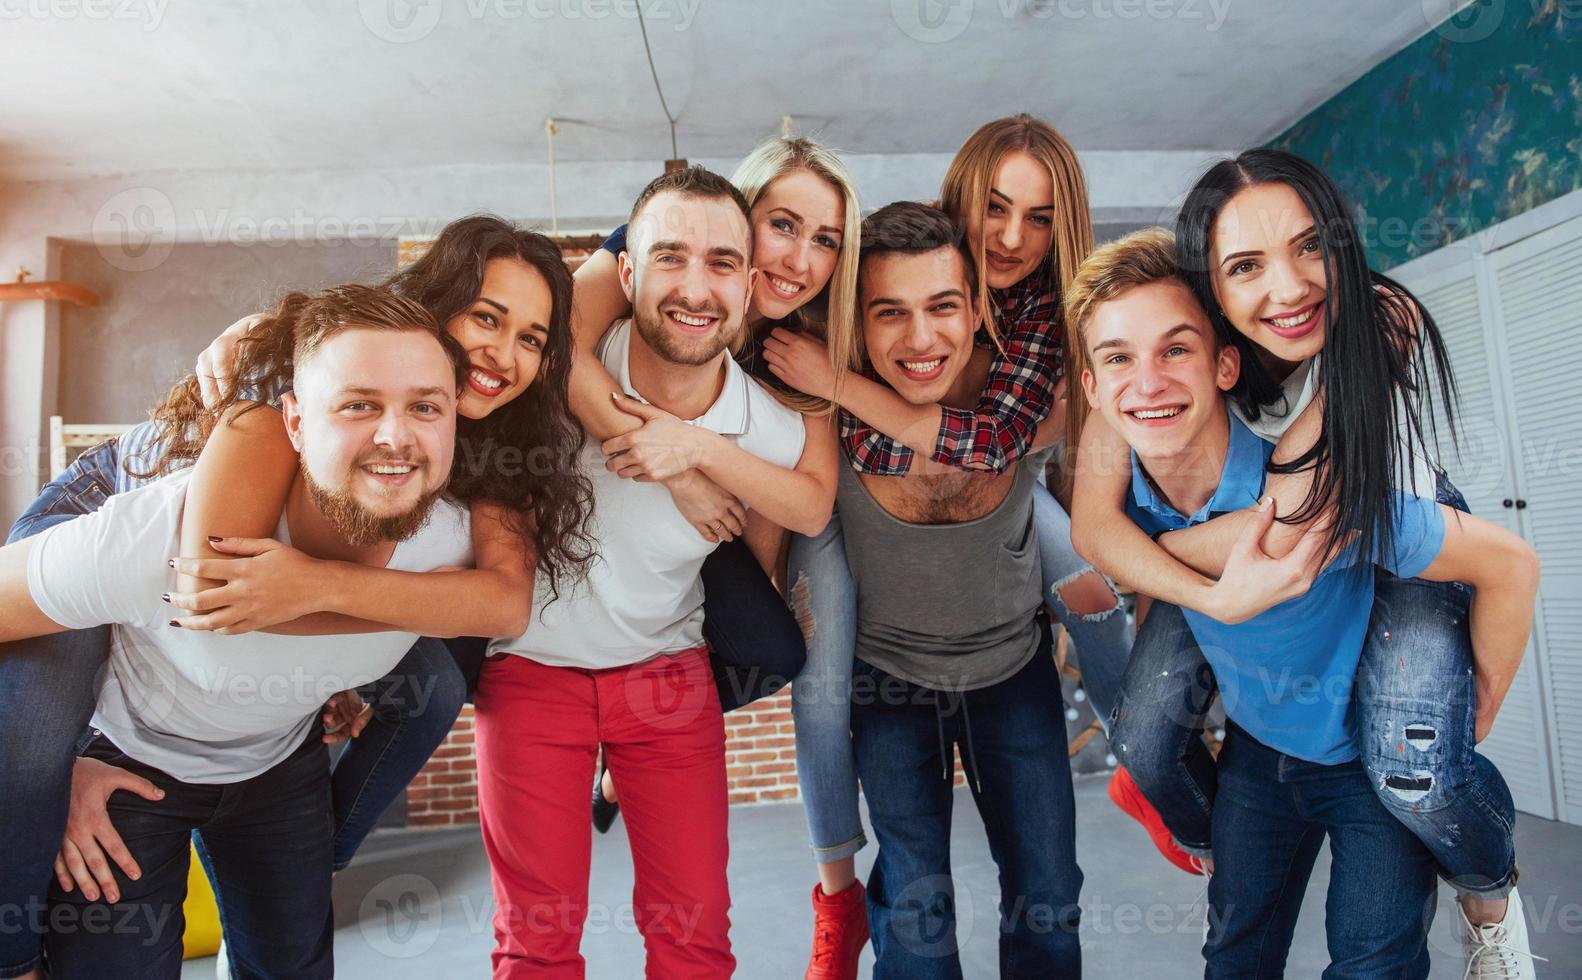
x=101 y=87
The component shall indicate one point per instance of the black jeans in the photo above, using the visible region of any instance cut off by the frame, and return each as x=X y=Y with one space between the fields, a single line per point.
x=269 y=845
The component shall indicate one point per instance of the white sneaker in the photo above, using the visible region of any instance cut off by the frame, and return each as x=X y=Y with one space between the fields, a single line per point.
x=222 y=963
x=1497 y=950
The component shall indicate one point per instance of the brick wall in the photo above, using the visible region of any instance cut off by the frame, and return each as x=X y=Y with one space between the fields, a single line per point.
x=445 y=792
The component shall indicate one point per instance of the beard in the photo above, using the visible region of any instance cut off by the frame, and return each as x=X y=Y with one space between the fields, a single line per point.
x=361 y=527
x=677 y=348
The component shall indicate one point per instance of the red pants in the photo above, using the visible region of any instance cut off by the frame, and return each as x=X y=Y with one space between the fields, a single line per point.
x=538 y=729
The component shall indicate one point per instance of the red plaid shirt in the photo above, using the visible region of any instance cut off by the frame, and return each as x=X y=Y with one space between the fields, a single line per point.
x=1020 y=393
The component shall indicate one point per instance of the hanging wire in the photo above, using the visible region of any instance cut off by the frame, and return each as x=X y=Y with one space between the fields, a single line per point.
x=657 y=87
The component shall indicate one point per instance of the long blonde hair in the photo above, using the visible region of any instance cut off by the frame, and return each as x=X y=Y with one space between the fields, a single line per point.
x=965 y=196
x=832 y=314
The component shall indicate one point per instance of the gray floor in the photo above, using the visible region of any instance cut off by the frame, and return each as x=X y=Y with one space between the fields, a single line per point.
x=418 y=905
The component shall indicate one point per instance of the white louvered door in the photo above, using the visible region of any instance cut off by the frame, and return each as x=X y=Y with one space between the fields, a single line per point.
x=1480 y=463
x=1538 y=288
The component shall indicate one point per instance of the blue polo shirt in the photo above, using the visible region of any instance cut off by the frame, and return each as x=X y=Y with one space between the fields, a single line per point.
x=1285 y=675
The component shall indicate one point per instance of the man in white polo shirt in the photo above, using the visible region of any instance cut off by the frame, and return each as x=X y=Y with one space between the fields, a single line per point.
x=227 y=727
x=621 y=660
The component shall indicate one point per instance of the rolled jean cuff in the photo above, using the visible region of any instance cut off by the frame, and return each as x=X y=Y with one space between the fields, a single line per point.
x=19 y=970
x=1498 y=889
x=1203 y=853
x=826 y=855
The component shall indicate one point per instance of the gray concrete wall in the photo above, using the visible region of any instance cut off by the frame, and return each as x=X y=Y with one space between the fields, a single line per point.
x=118 y=358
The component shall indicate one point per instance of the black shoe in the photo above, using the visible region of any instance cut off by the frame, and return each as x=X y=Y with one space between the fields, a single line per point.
x=604 y=812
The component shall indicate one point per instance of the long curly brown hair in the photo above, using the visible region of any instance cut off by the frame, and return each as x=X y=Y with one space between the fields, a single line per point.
x=522 y=456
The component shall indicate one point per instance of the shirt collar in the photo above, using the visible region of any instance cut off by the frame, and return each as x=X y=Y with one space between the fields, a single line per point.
x=1240 y=479
x=728 y=415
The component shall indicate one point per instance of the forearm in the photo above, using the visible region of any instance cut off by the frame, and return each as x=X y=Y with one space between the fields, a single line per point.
x=1500 y=620
x=1116 y=546
x=329 y=624
x=1205 y=547
x=239 y=484
x=590 y=389
x=472 y=602
x=913 y=426
x=796 y=501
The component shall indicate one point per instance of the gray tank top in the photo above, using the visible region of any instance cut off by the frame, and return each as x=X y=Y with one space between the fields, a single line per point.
x=945 y=606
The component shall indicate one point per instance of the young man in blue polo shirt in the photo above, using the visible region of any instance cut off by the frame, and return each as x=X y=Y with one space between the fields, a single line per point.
x=1288 y=773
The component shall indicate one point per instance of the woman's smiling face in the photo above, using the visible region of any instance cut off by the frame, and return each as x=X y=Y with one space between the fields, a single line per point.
x=1268 y=273
x=504 y=332
x=797 y=236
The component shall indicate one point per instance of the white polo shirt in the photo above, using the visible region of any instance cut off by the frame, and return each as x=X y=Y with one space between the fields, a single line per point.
x=642 y=595
x=203 y=707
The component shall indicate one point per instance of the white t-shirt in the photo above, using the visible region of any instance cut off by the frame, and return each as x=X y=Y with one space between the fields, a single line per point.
x=642 y=595
x=1415 y=474
x=203 y=707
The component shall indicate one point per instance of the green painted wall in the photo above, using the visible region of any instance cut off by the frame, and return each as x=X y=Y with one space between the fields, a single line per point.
x=1475 y=122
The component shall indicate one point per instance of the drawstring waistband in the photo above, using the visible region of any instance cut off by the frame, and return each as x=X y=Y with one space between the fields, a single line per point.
x=971 y=761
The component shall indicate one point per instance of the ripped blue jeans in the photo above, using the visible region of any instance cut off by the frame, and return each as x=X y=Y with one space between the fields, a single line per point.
x=825 y=601
x=1415 y=712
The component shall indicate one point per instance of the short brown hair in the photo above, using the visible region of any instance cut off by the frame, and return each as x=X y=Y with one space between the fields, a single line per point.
x=330 y=313
x=692 y=182
x=910 y=228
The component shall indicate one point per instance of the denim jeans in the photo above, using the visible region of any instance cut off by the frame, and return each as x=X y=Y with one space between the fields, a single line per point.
x=268 y=843
x=1414 y=706
x=826 y=602
x=1273 y=814
x=1012 y=739
x=755 y=645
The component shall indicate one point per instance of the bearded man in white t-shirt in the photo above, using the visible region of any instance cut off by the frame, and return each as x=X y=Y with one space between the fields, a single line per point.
x=227 y=728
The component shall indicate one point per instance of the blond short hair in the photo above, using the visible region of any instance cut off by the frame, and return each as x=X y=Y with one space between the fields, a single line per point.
x=1139 y=259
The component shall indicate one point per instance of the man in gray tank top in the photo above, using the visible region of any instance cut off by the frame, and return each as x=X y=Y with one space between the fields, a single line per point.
x=952 y=651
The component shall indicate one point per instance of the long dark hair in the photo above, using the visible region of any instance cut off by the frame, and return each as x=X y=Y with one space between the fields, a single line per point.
x=1379 y=343
x=523 y=455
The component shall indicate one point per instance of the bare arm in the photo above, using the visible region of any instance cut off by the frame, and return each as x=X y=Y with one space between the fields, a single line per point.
x=20 y=616
x=239 y=484
x=1103 y=533
x=767 y=541
x=281 y=590
x=666 y=448
x=1205 y=545
x=799 y=500
x=1503 y=571
x=597 y=301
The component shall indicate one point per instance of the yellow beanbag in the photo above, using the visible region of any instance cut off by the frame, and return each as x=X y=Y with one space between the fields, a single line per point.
x=202 y=937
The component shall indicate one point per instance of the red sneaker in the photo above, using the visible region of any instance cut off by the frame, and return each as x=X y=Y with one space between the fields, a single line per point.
x=1125 y=794
x=840 y=931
